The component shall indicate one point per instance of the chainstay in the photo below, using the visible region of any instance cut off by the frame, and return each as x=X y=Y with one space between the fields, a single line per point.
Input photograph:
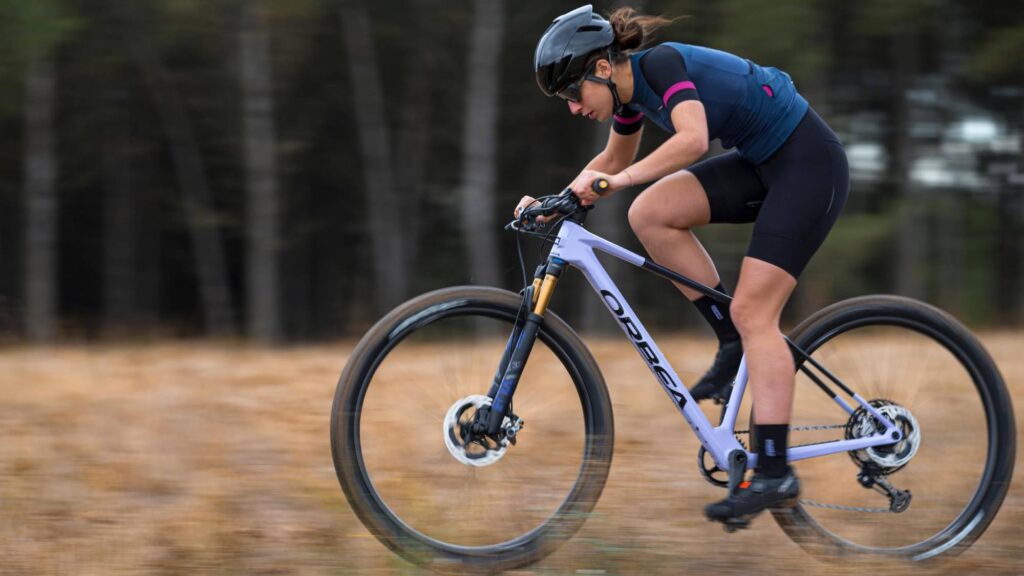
x=813 y=503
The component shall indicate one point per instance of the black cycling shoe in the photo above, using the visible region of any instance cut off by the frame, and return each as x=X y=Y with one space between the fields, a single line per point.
x=717 y=382
x=753 y=497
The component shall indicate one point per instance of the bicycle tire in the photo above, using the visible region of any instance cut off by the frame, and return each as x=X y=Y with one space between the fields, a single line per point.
x=896 y=314
x=411 y=543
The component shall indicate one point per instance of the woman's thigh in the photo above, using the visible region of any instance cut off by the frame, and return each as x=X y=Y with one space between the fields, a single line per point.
x=732 y=186
x=676 y=201
x=808 y=182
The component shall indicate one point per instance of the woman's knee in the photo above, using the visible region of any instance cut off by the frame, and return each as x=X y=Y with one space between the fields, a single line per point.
x=752 y=317
x=675 y=202
x=642 y=219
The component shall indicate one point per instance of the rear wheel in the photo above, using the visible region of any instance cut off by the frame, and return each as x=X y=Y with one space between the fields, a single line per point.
x=419 y=478
x=923 y=370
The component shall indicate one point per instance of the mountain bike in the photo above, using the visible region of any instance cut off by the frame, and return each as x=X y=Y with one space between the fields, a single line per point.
x=472 y=430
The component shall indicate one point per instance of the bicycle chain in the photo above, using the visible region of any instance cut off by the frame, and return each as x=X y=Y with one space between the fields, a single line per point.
x=845 y=508
x=813 y=503
x=806 y=428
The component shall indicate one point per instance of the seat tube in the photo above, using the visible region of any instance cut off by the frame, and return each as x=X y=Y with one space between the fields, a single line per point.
x=523 y=346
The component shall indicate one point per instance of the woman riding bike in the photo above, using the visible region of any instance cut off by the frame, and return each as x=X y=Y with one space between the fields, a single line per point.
x=787 y=173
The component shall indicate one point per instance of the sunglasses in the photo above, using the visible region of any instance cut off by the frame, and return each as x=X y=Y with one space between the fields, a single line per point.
x=574 y=92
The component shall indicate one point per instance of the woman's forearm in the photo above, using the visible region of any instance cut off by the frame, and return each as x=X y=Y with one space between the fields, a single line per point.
x=673 y=155
x=603 y=162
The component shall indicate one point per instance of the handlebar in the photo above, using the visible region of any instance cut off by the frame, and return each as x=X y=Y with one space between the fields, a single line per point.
x=565 y=203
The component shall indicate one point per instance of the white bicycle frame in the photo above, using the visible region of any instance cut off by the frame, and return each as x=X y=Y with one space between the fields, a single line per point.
x=575 y=246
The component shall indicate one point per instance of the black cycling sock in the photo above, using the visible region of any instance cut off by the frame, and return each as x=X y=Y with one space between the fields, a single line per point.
x=717 y=315
x=771 y=449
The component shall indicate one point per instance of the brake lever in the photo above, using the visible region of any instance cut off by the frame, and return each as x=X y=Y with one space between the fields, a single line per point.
x=524 y=225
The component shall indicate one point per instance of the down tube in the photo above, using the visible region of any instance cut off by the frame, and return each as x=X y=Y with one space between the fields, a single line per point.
x=718 y=444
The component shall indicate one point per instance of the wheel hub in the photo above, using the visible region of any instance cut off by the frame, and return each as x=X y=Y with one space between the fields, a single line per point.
x=465 y=440
x=888 y=458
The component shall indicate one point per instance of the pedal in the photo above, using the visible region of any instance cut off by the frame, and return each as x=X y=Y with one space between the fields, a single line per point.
x=733 y=524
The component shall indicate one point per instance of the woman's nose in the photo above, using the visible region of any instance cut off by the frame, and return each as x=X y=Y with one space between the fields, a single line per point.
x=575 y=107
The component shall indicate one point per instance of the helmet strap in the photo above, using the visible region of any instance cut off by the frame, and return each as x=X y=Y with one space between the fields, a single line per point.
x=611 y=86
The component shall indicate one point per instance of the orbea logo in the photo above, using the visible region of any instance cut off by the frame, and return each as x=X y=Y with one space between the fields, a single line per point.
x=645 y=349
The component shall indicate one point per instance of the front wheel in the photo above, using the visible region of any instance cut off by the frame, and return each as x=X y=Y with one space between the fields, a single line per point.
x=407 y=459
x=925 y=371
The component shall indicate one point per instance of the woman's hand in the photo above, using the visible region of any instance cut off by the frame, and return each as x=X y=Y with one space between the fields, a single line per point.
x=525 y=203
x=582 y=187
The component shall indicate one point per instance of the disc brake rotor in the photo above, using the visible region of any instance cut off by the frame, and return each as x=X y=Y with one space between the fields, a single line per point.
x=471 y=448
x=885 y=459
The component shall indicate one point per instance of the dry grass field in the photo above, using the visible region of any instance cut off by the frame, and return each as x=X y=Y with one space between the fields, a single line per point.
x=215 y=459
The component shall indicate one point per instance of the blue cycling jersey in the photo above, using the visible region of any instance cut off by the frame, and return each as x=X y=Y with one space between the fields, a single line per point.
x=749 y=107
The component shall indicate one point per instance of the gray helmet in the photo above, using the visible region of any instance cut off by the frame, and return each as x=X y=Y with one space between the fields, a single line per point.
x=562 y=52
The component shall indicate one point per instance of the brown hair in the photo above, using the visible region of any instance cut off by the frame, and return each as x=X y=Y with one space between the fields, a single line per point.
x=632 y=29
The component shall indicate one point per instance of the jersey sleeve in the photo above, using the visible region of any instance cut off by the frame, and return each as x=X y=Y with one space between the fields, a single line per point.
x=665 y=71
x=628 y=121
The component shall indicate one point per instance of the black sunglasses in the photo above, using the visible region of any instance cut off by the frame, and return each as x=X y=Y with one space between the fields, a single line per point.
x=574 y=92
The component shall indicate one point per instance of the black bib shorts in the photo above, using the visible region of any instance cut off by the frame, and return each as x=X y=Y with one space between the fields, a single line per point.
x=793 y=198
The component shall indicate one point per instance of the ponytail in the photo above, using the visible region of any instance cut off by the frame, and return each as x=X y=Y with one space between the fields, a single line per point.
x=632 y=29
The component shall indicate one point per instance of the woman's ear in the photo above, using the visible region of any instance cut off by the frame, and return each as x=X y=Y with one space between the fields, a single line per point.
x=603 y=69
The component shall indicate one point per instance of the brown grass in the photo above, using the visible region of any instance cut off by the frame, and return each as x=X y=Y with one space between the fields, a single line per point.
x=177 y=458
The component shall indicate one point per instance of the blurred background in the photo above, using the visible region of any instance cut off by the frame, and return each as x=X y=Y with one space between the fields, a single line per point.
x=289 y=170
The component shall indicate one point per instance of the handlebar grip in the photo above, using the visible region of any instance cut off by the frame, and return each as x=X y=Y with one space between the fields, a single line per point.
x=600 y=186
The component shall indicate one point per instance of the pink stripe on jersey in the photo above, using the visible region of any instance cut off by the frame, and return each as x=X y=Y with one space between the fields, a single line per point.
x=678 y=87
x=633 y=120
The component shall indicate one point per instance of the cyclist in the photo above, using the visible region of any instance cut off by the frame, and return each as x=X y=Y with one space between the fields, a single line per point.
x=788 y=173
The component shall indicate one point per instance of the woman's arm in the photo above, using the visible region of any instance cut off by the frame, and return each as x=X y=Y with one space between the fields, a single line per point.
x=619 y=152
x=686 y=146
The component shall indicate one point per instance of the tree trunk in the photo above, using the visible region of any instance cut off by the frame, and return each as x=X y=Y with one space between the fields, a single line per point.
x=264 y=324
x=912 y=265
x=214 y=292
x=390 y=272
x=413 y=130
x=480 y=142
x=120 y=266
x=40 y=202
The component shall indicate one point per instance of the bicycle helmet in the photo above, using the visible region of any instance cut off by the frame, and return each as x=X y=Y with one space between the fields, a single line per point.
x=562 y=51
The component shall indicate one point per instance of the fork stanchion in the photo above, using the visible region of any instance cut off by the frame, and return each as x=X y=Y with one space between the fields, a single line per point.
x=521 y=352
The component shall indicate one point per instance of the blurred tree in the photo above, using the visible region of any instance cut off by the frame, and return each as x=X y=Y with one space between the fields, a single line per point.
x=389 y=268
x=994 y=70
x=203 y=224
x=414 y=128
x=480 y=141
x=121 y=239
x=40 y=200
x=900 y=27
x=39 y=28
x=788 y=34
x=264 y=322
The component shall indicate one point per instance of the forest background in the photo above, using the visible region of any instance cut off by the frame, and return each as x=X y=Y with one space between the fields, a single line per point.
x=287 y=171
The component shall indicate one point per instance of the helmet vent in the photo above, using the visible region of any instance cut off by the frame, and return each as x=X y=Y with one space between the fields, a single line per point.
x=590 y=28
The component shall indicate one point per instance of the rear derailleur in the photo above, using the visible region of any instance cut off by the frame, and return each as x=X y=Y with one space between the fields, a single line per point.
x=899 y=500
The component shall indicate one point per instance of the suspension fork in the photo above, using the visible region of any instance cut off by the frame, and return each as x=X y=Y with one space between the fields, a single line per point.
x=521 y=341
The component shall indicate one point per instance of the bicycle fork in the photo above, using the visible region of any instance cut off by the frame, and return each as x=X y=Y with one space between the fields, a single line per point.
x=520 y=342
